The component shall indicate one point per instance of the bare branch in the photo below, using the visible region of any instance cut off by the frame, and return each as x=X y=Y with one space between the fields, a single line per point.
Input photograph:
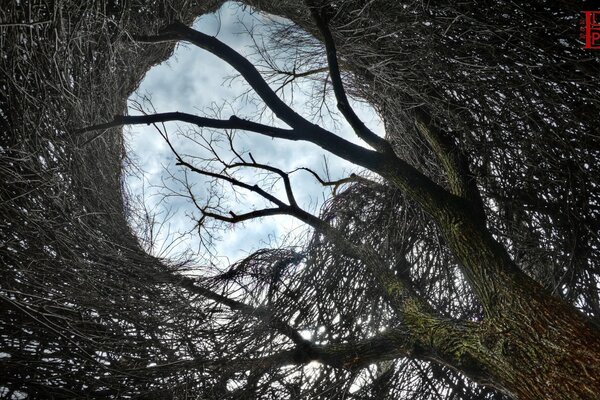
x=361 y=130
x=281 y=173
x=179 y=31
x=235 y=182
x=337 y=183
x=232 y=123
x=256 y=312
x=438 y=340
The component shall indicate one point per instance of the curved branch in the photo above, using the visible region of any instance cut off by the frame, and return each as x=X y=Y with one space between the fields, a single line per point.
x=232 y=123
x=286 y=179
x=337 y=183
x=235 y=182
x=440 y=340
x=179 y=31
x=361 y=130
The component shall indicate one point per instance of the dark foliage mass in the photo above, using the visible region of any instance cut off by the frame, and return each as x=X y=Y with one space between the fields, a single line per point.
x=85 y=312
x=82 y=307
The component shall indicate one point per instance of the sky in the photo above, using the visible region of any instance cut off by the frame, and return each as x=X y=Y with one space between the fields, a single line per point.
x=197 y=82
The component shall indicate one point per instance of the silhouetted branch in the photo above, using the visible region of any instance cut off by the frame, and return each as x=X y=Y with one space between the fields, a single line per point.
x=232 y=123
x=284 y=176
x=339 y=182
x=235 y=218
x=261 y=313
x=362 y=131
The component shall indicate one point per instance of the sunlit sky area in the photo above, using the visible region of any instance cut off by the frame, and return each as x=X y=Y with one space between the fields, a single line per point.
x=195 y=81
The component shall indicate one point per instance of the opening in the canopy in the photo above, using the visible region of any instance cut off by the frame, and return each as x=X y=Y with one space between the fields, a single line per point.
x=164 y=215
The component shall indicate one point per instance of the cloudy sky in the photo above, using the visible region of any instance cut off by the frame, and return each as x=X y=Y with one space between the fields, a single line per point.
x=197 y=82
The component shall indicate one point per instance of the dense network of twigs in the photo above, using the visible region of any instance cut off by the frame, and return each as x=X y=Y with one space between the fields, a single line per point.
x=512 y=84
x=85 y=312
x=519 y=94
x=82 y=307
x=510 y=81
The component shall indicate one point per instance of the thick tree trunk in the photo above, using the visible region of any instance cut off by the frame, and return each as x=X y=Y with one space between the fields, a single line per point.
x=548 y=350
x=540 y=347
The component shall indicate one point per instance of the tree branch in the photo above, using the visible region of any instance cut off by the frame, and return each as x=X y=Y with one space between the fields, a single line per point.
x=235 y=218
x=256 y=312
x=232 y=123
x=286 y=179
x=361 y=130
x=462 y=183
x=235 y=182
x=444 y=341
x=337 y=183
x=179 y=31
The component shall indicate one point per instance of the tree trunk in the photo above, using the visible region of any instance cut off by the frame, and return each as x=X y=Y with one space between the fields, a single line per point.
x=548 y=350
x=540 y=346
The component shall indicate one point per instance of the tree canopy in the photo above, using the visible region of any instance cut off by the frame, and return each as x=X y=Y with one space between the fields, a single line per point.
x=462 y=264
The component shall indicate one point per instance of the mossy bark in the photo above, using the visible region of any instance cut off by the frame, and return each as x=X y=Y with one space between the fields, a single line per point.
x=539 y=345
x=531 y=344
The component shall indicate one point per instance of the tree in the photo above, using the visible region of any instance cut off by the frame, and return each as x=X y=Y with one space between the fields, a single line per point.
x=461 y=251
x=524 y=328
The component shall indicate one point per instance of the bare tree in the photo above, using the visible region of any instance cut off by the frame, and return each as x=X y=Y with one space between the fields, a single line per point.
x=527 y=342
x=463 y=265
